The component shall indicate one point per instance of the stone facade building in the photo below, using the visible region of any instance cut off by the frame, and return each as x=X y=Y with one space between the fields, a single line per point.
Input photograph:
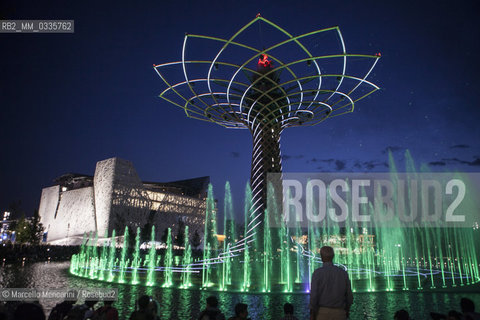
x=114 y=198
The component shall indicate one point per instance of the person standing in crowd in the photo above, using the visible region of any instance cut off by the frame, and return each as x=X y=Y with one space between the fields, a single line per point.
x=154 y=309
x=144 y=311
x=288 y=310
x=29 y=311
x=401 y=315
x=212 y=312
x=107 y=312
x=61 y=310
x=331 y=292
x=468 y=309
x=241 y=312
x=91 y=309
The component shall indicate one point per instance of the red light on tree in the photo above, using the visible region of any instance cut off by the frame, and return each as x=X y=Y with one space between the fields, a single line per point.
x=264 y=62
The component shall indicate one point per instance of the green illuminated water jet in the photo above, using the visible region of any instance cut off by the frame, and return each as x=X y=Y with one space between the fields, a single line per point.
x=280 y=257
x=168 y=263
x=136 y=258
x=246 y=238
x=230 y=236
x=268 y=254
x=210 y=242
x=152 y=252
x=123 y=257
x=111 y=257
x=187 y=261
x=104 y=258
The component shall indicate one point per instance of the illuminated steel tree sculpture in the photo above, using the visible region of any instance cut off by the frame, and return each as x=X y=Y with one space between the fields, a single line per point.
x=291 y=81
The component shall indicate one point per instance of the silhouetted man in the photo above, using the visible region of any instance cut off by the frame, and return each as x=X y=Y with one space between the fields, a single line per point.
x=212 y=312
x=401 y=315
x=468 y=309
x=143 y=312
x=331 y=293
x=241 y=312
x=288 y=309
x=107 y=312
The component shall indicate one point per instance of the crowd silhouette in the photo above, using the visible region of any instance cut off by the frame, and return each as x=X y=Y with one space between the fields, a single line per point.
x=147 y=309
x=10 y=252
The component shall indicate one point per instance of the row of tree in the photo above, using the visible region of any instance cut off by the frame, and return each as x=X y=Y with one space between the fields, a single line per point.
x=27 y=230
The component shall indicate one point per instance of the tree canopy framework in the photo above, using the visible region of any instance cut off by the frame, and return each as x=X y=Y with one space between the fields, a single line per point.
x=291 y=85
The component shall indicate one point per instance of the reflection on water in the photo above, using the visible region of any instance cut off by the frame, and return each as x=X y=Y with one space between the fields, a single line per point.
x=186 y=304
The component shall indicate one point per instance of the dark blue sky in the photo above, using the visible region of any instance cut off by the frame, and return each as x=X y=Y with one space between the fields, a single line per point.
x=70 y=100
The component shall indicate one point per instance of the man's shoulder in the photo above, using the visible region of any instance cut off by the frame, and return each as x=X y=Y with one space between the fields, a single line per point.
x=472 y=315
x=107 y=310
x=212 y=313
x=341 y=268
x=330 y=268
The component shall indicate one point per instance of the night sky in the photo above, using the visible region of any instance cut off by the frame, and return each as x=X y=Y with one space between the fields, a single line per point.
x=70 y=100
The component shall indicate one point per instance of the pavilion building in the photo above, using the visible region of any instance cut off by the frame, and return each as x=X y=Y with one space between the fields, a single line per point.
x=115 y=197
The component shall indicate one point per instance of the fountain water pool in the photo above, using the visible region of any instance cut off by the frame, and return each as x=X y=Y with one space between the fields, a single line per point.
x=280 y=258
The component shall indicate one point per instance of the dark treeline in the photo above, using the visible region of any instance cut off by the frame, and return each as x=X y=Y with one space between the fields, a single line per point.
x=13 y=253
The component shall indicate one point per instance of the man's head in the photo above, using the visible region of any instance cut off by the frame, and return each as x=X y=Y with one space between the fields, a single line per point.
x=401 y=315
x=241 y=310
x=288 y=308
x=153 y=306
x=467 y=305
x=327 y=254
x=212 y=302
x=30 y=311
x=91 y=303
x=143 y=302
